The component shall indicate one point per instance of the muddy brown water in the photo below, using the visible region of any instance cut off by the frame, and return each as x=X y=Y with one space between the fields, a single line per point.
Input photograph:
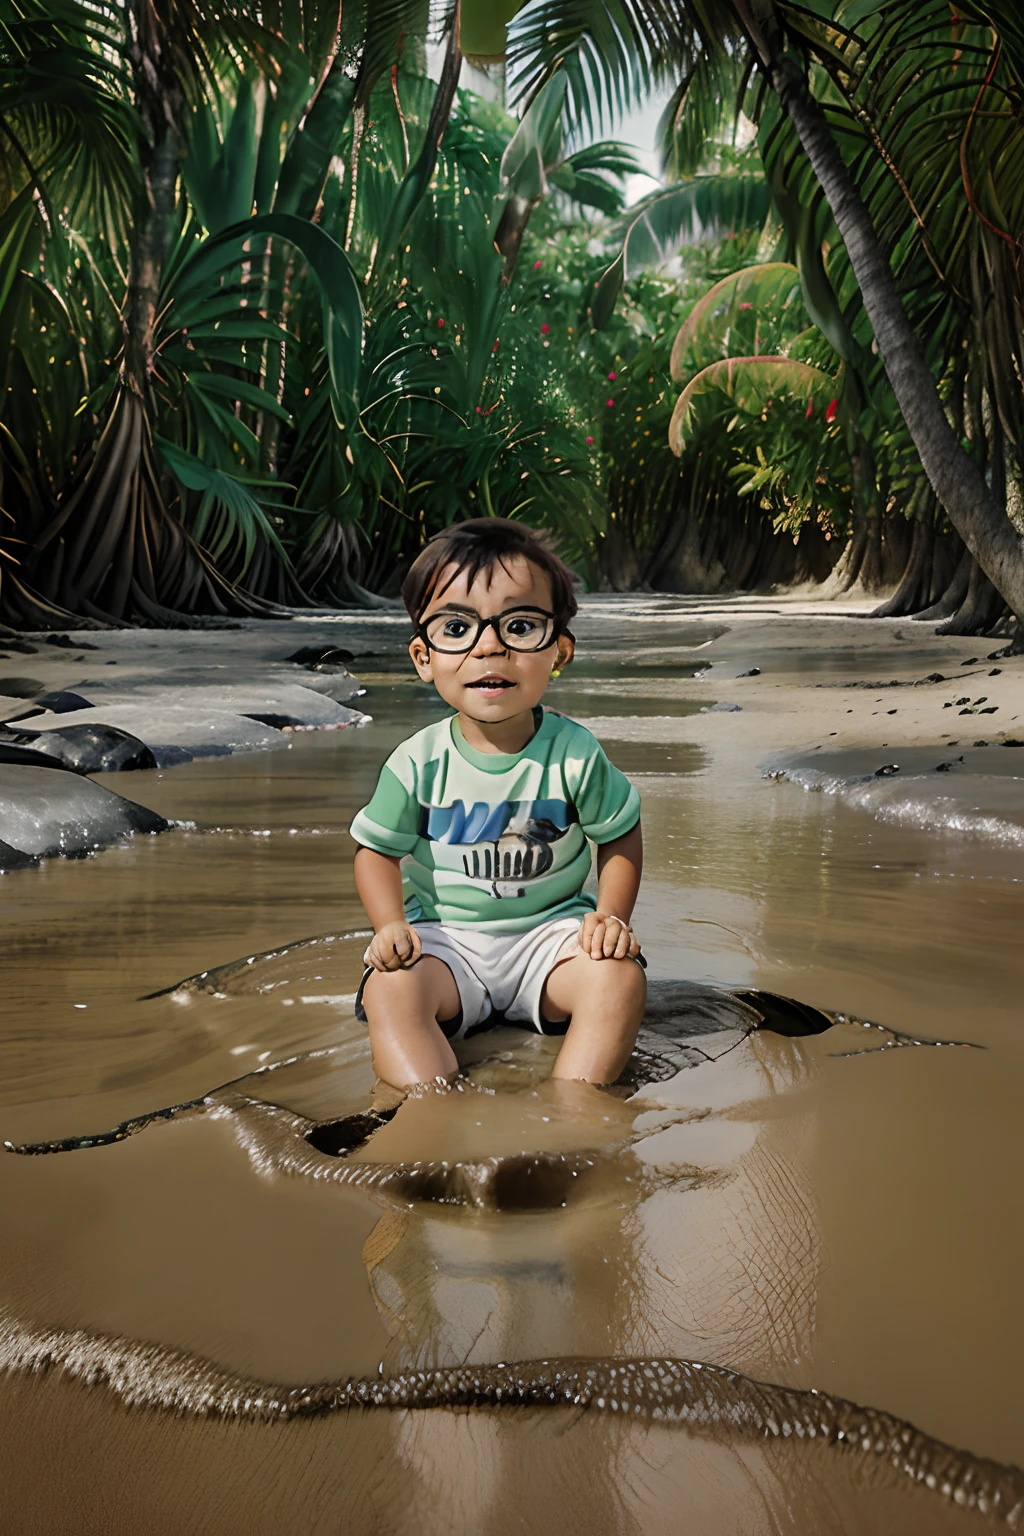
x=837 y=1212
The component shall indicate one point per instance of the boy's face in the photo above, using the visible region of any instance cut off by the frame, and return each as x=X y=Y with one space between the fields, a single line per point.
x=491 y=683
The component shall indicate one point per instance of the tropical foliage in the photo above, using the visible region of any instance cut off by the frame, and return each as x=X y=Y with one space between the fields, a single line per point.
x=279 y=301
x=903 y=123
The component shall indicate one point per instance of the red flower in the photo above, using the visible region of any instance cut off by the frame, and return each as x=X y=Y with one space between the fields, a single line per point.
x=440 y=325
x=495 y=347
x=479 y=410
x=611 y=402
x=613 y=375
x=830 y=414
x=589 y=441
x=809 y=411
x=746 y=306
x=536 y=266
x=544 y=329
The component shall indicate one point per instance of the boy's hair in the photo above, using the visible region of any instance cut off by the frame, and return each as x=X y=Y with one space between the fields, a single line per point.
x=479 y=545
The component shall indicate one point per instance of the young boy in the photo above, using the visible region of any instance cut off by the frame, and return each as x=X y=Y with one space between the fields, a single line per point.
x=487 y=815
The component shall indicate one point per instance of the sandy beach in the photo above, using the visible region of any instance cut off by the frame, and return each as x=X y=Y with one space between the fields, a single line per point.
x=813 y=1206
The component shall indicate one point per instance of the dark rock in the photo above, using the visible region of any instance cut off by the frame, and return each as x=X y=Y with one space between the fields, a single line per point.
x=996 y=672
x=316 y=656
x=13 y=858
x=62 y=701
x=785 y=1015
x=1013 y=741
x=935 y=677
x=65 y=643
x=989 y=711
x=970 y=661
x=20 y=687
x=31 y=757
x=887 y=770
x=752 y=672
x=276 y=722
x=21 y=646
x=47 y=811
x=93 y=748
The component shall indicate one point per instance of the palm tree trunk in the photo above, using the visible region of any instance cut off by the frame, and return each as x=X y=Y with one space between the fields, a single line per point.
x=158 y=102
x=956 y=479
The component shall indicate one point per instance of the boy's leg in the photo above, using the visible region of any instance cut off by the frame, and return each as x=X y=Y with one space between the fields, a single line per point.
x=402 y=1012
x=604 y=999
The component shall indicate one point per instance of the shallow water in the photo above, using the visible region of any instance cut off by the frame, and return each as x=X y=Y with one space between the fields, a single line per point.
x=835 y=1212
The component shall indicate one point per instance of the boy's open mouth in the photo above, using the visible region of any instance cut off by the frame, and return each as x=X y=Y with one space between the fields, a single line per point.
x=492 y=684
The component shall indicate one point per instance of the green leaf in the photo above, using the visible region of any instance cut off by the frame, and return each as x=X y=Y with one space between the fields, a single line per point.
x=708 y=208
x=751 y=383
x=760 y=303
x=342 y=305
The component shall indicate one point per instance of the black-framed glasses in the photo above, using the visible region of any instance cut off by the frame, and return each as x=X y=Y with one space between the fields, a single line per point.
x=453 y=631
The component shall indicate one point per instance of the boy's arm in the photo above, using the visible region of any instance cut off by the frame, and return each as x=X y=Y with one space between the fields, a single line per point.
x=379 y=886
x=606 y=934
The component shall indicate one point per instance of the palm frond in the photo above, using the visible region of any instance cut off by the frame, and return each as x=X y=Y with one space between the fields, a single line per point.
x=704 y=209
x=612 y=52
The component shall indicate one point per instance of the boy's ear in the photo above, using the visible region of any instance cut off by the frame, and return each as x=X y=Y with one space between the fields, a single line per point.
x=419 y=651
x=565 y=651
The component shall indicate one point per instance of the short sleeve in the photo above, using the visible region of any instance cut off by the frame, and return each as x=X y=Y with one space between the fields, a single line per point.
x=390 y=823
x=607 y=803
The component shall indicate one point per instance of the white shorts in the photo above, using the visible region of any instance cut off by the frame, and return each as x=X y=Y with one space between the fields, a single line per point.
x=500 y=976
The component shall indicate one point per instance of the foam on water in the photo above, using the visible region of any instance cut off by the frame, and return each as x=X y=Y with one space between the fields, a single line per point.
x=910 y=801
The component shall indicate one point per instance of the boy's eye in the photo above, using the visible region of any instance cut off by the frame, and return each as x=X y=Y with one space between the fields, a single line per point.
x=520 y=626
x=454 y=629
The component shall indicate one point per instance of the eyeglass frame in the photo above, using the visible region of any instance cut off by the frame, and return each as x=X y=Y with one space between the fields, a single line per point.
x=492 y=623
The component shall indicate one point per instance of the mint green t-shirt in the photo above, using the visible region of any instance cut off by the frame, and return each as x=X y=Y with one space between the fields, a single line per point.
x=496 y=840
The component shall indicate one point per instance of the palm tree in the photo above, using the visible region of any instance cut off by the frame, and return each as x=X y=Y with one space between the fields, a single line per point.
x=613 y=50
x=117 y=545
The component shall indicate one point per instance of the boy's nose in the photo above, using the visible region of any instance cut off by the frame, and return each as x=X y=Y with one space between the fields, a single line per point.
x=489 y=643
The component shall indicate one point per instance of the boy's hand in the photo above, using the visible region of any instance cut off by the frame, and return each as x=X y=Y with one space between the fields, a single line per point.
x=604 y=937
x=394 y=946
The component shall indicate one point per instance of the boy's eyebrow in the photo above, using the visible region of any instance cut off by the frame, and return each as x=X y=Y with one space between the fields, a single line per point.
x=457 y=608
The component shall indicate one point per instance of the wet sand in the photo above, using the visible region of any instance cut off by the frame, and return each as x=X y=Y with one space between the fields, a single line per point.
x=832 y=1212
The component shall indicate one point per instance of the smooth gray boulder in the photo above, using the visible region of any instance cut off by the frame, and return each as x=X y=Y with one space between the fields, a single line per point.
x=174 y=733
x=89 y=748
x=279 y=703
x=48 y=811
x=334 y=683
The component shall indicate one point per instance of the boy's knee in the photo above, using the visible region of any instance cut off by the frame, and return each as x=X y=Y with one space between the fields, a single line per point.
x=625 y=977
x=631 y=977
x=627 y=971
x=382 y=987
x=428 y=984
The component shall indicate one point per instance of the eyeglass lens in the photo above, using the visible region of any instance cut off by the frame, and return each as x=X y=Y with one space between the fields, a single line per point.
x=517 y=630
